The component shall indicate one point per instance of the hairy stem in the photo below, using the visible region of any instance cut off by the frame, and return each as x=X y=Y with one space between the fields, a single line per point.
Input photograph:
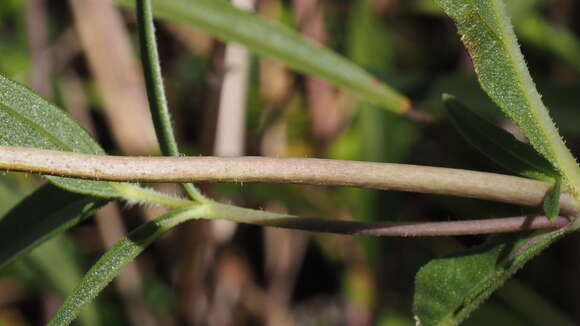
x=139 y=195
x=423 y=179
x=155 y=90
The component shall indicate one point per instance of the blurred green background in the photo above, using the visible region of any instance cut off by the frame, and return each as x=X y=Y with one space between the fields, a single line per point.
x=82 y=55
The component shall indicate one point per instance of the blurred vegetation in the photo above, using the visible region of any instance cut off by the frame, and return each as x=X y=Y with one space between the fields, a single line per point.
x=224 y=274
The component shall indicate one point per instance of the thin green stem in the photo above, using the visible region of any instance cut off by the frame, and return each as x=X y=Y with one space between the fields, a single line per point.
x=155 y=90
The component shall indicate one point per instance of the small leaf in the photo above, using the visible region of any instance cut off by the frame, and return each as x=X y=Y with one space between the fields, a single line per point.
x=28 y=120
x=223 y=20
x=498 y=144
x=111 y=263
x=489 y=37
x=552 y=200
x=40 y=216
x=448 y=289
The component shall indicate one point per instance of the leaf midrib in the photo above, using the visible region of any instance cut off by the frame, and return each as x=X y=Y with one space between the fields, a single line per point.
x=36 y=127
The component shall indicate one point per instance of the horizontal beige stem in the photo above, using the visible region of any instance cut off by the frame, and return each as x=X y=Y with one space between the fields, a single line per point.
x=386 y=176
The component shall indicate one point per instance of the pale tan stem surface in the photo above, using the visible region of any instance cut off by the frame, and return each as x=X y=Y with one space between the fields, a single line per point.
x=386 y=176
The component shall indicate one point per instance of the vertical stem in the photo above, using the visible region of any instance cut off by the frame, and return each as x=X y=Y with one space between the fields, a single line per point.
x=155 y=91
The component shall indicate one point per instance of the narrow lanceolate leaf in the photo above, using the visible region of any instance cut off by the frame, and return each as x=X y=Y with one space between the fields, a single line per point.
x=448 y=289
x=552 y=200
x=28 y=120
x=111 y=263
x=38 y=217
x=489 y=37
x=228 y=23
x=498 y=144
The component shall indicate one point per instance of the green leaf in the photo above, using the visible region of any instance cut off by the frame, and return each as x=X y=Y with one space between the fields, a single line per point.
x=489 y=37
x=552 y=200
x=448 y=289
x=222 y=19
x=40 y=216
x=111 y=263
x=498 y=144
x=28 y=120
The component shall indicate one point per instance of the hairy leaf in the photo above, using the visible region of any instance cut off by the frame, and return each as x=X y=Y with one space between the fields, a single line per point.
x=222 y=19
x=552 y=200
x=111 y=263
x=448 y=289
x=498 y=144
x=28 y=120
x=40 y=216
x=489 y=37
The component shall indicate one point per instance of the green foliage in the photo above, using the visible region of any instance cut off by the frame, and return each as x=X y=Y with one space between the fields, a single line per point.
x=228 y=23
x=111 y=263
x=498 y=144
x=489 y=37
x=28 y=120
x=448 y=289
x=40 y=216
x=503 y=148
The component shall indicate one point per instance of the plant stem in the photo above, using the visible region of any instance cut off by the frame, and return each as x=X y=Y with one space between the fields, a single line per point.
x=402 y=177
x=155 y=90
x=215 y=210
x=133 y=194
